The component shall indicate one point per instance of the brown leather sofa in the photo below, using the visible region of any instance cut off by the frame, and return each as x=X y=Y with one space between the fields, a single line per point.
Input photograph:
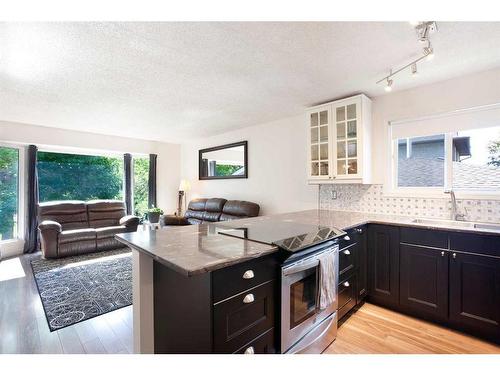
x=76 y=227
x=211 y=210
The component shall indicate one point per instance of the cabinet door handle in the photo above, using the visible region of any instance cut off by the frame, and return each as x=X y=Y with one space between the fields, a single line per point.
x=454 y=255
x=347 y=252
x=442 y=253
x=249 y=350
x=249 y=298
x=248 y=274
x=347 y=238
x=359 y=230
x=346 y=284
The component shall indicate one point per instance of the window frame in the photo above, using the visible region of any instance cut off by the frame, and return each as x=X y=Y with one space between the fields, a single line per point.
x=18 y=242
x=431 y=191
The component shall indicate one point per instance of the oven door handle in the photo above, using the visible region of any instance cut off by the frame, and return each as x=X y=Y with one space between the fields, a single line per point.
x=300 y=267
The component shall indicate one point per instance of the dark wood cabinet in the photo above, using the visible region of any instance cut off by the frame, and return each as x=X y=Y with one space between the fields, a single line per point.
x=240 y=319
x=424 y=280
x=362 y=287
x=383 y=264
x=347 y=295
x=475 y=293
x=352 y=270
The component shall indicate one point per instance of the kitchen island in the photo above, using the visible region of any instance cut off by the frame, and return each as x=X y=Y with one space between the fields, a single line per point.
x=189 y=282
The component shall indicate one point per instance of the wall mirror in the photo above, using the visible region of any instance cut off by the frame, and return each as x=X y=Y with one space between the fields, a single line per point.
x=223 y=162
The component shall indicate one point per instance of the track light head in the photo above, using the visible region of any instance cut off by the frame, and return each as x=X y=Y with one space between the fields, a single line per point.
x=388 y=87
x=429 y=53
x=414 y=70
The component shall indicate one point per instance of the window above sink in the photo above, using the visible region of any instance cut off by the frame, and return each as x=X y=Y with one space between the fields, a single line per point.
x=458 y=150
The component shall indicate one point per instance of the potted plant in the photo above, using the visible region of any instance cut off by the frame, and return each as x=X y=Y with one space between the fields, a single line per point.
x=154 y=214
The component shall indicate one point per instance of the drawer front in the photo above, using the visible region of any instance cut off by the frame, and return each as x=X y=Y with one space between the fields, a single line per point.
x=424 y=237
x=264 y=344
x=243 y=318
x=350 y=238
x=348 y=259
x=232 y=280
x=347 y=295
x=475 y=243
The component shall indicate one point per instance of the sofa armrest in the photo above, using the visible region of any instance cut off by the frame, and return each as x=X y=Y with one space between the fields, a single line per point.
x=173 y=220
x=130 y=221
x=49 y=233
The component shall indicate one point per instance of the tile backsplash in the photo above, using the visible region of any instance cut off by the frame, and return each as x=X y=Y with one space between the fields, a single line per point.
x=371 y=198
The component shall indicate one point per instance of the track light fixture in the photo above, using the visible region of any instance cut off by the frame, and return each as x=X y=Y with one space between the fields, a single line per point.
x=423 y=30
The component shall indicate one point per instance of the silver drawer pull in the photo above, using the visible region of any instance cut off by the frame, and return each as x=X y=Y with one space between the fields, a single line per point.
x=347 y=238
x=442 y=253
x=346 y=284
x=249 y=298
x=347 y=252
x=248 y=274
x=249 y=350
x=454 y=255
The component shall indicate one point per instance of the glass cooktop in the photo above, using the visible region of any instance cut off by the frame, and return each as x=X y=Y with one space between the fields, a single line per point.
x=287 y=235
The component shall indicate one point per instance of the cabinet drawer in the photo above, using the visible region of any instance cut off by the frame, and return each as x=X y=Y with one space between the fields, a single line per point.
x=244 y=317
x=424 y=237
x=235 y=279
x=348 y=259
x=475 y=243
x=350 y=238
x=347 y=295
x=264 y=344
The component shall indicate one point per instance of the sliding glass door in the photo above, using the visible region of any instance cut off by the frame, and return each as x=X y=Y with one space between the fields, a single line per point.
x=9 y=193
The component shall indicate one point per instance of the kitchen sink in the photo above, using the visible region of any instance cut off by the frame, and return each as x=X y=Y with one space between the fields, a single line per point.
x=446 y=223
x=458 y=224
x=495 y=227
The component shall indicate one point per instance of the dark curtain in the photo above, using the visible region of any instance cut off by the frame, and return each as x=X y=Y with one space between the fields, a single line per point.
x=152 y=181
x=31 y=228
x=127 y=165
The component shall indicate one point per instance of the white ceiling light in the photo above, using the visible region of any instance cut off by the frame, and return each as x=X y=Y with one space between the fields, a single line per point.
x=388 y=87
x=423 y=30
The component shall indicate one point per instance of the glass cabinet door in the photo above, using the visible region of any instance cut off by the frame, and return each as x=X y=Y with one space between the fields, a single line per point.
x=346 y=139
x=319 y=155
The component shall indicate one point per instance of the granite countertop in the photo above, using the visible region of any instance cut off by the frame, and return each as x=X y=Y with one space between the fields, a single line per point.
x=196 y=249
x=193 y=249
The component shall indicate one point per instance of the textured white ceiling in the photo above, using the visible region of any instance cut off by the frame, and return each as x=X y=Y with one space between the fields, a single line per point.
x=176 y=81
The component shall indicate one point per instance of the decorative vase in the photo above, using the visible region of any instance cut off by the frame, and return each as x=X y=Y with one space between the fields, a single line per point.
x=154 y=217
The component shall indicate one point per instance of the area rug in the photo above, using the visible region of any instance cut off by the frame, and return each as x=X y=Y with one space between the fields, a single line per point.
x=81 y=287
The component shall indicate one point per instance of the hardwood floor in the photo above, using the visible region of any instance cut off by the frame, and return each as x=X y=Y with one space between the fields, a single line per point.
x=375 y=330
x=24 y=328
x=372 y=329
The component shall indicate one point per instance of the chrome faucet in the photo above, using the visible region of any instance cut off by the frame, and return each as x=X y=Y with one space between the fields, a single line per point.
x=455 y=213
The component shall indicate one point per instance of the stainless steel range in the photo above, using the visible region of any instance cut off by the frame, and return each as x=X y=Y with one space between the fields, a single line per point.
x=305 y=327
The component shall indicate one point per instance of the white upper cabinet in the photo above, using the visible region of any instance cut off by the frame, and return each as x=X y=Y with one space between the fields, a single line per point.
x=339 y=141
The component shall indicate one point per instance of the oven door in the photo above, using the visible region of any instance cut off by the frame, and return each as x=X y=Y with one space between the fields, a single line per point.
x=300 y=312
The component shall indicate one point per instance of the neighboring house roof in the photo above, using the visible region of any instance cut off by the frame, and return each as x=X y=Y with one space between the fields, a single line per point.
x=423 y=172
x=475 y=177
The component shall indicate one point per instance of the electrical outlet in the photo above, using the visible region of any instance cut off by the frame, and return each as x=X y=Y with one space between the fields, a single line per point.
x=334 y=194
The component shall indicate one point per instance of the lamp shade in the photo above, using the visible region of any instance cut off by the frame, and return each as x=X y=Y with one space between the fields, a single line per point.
x=185 y=185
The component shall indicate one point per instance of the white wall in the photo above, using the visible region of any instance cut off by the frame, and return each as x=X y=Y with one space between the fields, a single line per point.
x=458 y=93
x=277 y=176
x=168 y=162
x=277 y=150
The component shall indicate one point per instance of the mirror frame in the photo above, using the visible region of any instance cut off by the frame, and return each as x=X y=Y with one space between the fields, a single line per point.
x=230 y=145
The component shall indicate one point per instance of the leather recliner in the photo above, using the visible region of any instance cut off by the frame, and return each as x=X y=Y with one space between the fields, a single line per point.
x=76 y=227
x=212 y=210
